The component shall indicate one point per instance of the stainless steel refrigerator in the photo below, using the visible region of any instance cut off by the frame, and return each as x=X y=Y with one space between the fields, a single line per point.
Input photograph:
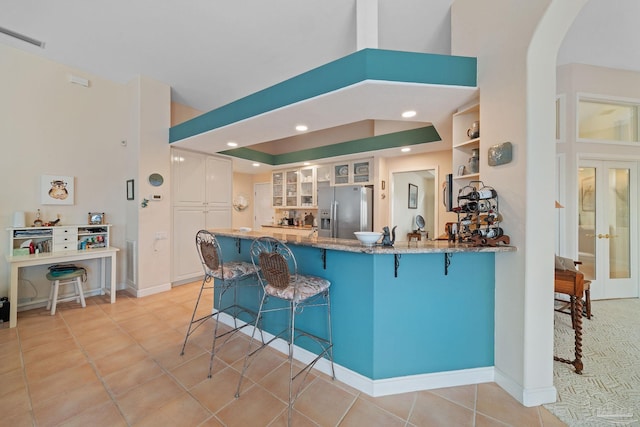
x=343 y=210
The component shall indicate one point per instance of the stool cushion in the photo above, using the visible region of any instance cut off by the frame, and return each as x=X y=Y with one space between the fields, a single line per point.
x=234 y=270
x=65 y=276
x=302 y=288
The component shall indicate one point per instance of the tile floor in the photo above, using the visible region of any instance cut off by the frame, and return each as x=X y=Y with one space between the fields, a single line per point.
x=119 y=365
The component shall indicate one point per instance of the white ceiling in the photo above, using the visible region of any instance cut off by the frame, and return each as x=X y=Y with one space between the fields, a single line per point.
x=214 y=52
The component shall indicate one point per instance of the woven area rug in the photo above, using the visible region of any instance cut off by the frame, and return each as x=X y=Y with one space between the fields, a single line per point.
x=608 y=391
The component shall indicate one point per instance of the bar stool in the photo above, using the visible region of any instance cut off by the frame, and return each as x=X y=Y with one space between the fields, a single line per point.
x=229 y=275
x=294 y=293
x=71 y=278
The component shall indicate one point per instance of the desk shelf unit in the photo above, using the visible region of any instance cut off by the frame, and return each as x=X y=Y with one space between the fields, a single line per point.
x=59 y=238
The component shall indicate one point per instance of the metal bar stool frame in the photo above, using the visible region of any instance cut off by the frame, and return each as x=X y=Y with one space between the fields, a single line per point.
x=283 y=282
x=229 y=275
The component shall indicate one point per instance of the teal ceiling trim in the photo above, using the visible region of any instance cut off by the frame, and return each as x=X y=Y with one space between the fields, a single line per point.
x=366 y=64
x=397 y=139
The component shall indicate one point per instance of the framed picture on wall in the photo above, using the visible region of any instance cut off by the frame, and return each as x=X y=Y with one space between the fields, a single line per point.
x=413 y=196
x=56 y=190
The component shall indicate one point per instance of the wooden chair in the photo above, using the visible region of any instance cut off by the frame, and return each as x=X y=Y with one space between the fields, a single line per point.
x=569 y=281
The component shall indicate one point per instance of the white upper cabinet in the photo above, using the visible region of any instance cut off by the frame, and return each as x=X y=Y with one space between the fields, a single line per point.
x=199 y=179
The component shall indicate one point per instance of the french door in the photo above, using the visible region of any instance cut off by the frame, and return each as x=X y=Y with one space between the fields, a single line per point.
x=607 y=227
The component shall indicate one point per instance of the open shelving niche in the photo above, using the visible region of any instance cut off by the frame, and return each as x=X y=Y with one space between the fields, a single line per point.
x=462 y=146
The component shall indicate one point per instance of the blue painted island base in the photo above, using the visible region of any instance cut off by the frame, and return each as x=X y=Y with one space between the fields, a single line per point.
x=417 y=331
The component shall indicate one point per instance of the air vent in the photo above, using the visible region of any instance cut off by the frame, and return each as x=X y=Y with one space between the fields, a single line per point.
x=22 y=37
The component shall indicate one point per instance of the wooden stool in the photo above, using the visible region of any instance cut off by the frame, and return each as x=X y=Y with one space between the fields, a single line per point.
x=71 y=278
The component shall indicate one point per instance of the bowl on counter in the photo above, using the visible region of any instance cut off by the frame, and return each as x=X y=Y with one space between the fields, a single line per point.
x=368 y=238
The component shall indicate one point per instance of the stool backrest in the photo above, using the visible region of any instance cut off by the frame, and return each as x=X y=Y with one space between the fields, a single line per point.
x=277 y=263
x=210 y=252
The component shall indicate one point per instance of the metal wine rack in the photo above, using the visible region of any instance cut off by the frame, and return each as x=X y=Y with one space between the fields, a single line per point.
x=478 y=216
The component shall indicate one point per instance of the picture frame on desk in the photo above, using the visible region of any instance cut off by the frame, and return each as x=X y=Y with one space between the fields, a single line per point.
x=96 y=218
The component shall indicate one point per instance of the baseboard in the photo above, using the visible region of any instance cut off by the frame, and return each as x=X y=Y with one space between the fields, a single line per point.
x=387 y=386
x=139 y=293
x=528 y=397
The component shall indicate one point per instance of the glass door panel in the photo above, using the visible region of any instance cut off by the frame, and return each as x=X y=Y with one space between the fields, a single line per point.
x=607 y=222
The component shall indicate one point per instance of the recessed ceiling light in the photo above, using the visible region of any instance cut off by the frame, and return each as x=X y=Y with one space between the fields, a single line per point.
x=408 y=114
x=255 y=165
x=232 y=144
x=301 y=128
x=306 y=163
x=405 y=149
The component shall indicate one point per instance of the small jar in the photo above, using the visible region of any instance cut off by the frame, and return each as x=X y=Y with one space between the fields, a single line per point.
x=474 y=161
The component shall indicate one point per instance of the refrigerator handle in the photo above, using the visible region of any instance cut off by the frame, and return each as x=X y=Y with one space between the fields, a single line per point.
x=334 y=219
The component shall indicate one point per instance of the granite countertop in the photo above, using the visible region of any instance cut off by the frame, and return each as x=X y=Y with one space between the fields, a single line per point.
x=349 y=245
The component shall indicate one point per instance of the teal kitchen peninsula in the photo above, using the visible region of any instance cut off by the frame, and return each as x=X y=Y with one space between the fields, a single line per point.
x=409 y=317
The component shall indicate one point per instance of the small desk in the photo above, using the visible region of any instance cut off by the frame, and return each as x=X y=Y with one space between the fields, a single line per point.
x=20 y=261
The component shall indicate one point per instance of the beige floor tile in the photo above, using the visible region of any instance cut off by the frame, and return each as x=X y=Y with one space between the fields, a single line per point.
x=398 y=404
x=363 y=413
x=166 y=338
x=183 y=411
x=219 y=390
x=277 y=381
x=498 y=404
x=212 y=421
x=462 y=395
x=9 y=363
x=112 y=343
x=297 y=420
x=127 y=378
x=264 y=363
x=485 y=421
x=433 y=410
x=64 y=406
x=53 y=349
x=149 y=397
x=120 y=360
x=256 y=407
x=12 y=381
x=40 y=369
x=51 y=337
x=14 y=403
x=170 y=356
x=548 y=419
x=105 y=415
x=195 y=370
x=324 y=402
x=62 y=382
x=23 y=419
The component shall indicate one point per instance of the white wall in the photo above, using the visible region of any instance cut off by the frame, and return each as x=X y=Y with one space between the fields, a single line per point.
x=516 y=47
x=50 y=126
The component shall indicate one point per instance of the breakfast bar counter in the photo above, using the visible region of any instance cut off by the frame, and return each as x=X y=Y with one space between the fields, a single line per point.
x=415 y=316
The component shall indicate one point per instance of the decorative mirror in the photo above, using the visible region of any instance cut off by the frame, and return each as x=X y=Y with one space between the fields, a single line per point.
x=156 y=179
x=240 y=202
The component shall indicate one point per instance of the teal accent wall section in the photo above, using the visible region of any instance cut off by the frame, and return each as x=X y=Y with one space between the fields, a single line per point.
x=397 y=139
x=366 y=64
x=420 y=322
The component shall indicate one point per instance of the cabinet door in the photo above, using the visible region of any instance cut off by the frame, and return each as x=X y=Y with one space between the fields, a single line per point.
x=186 y=224
x=307 y=187
x=291 y=188
x=188 y=177
x=277 y=189
x=361 y=172
x=341 y=173
x=218 y=217
x=219 y=177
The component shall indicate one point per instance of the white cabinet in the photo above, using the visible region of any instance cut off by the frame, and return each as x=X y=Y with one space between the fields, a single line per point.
x=201 y=195
x=350 y=173
x=199 y=179
x=465 y=145
x=58 y=238
x=294 y=188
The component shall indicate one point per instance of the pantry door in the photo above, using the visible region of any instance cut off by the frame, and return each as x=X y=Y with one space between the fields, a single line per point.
x=607 y=227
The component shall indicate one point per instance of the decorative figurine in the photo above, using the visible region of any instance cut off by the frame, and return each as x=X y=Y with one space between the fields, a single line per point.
x=38 y=221
x=388 y=239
